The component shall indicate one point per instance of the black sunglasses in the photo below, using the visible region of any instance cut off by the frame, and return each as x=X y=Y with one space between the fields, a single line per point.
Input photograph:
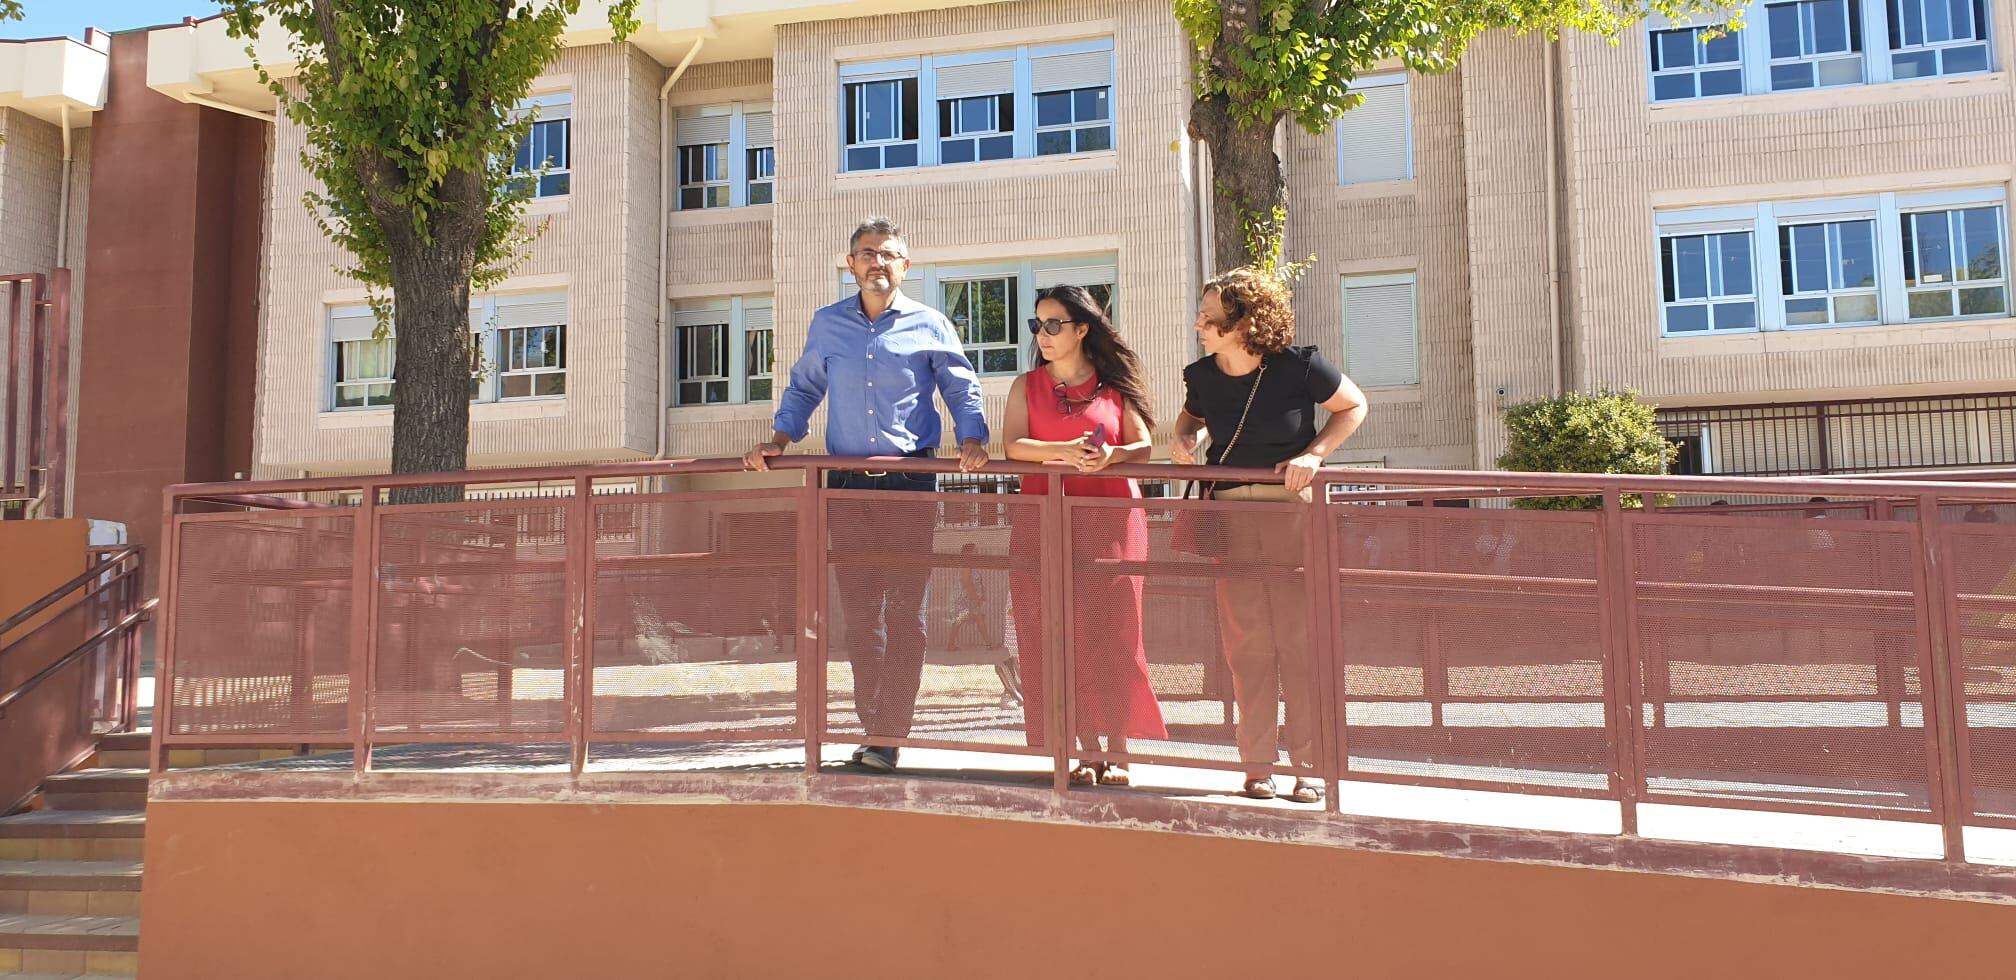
x=1051 y=327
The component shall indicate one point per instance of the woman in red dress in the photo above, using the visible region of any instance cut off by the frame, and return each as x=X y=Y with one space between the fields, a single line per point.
x=1086 y=404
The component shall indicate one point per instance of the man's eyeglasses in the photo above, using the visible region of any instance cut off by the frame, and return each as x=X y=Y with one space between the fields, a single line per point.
x=1051 y=327
x=888 y=257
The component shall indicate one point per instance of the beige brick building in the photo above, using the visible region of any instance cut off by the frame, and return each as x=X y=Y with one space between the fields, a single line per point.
x=1809 y=214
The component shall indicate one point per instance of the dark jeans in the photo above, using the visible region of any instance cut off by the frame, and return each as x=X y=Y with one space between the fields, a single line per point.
x=884 y=602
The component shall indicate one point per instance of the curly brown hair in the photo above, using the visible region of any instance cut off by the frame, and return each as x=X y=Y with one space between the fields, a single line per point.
x=1260 y=300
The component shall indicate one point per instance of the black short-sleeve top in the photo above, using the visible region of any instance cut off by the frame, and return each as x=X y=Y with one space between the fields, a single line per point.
x=1282 y=422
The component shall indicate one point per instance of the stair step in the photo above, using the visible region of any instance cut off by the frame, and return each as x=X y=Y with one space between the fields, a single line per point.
x=65 y=964
x=108 y=933
x=187 y=758
x=73 y=835
x=138 y=739
x=70 y=875
x=102 y=780
x=96 y=789
x=63 y=976
x=66 y=823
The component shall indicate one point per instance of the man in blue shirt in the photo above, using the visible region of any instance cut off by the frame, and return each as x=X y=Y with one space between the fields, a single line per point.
x=875 y=358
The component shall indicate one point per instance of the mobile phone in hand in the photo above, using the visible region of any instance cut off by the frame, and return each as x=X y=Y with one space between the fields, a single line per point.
x=1098 y=438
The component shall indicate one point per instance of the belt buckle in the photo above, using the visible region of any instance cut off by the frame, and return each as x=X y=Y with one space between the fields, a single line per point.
x=876 y=476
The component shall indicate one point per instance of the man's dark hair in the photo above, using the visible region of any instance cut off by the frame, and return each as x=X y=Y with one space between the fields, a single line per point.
x=873 y=225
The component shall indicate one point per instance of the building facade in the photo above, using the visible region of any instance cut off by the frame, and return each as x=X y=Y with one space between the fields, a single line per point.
x=1789 y=237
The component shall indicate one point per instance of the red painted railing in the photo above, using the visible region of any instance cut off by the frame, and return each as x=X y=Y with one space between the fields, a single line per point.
x=69 y=671
x=1856 y=659
x=34 y=417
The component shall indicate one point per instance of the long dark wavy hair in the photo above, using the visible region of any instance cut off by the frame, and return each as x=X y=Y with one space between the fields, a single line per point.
x=1118 y=367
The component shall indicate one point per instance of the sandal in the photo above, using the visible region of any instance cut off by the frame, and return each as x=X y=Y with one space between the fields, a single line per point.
x=1084 y=775
x=1114 y=774
x=1307 y=790
x=1259 y=788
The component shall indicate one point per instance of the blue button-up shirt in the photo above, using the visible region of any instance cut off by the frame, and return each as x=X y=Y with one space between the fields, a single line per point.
x=879 y=375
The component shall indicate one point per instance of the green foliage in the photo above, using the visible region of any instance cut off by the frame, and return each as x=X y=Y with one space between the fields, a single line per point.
x=1297 y=58
x=408 y=106
x=1263 y=239
x=1581 y=432
x=1303 y=57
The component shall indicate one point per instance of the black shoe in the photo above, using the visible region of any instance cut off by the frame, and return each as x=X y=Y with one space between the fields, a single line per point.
x=877 y=759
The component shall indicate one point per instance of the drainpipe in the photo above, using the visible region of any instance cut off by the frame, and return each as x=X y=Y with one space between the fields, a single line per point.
x=665 y=228
x=63 y=199
x=1556 y=333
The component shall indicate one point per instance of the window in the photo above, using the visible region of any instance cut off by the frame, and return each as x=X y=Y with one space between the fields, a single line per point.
x=976 y=111
x=762 y=174
x=545 y=157
x=760 y=340
x=989 y=303
x=363 y=365
x=1808 y=44
x=1375 y=141
x=1708 y=282
x=724 y=351
x=1690 y=455
x=985 y=315
x=976 y=128
x=882 y=124
x=1937 y=37
x=1815 y=43
x=522 y=341
x=1381 y=332
x=759 y=157
x=518 y=349
x=1074 y=121
x=726 y=156
x=1074 y=99
x=703 y=363
x=1953 y=263
x=1695 y=63
x=535 y=362
x=979 y=106
x=1884 y=258
x=1827 y=272
x=703 y=176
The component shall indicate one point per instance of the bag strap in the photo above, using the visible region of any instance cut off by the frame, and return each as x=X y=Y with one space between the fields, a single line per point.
x=1251 y=393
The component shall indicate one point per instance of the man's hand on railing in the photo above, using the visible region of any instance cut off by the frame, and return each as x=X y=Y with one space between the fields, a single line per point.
x=1183 y=449
x=972 y=455
x=758 y=458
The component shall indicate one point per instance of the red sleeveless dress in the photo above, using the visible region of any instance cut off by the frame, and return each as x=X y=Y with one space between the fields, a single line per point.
x=1111 y=682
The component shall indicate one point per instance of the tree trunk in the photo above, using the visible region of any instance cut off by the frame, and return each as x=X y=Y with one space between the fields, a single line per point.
x=430 y=414
x=1249 y=192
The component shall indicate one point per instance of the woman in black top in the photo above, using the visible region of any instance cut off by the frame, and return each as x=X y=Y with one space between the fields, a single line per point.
x=1255 y=396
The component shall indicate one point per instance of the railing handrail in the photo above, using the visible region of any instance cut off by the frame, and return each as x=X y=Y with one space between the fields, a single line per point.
x=1495 y=482
x=35 y=630
x=129 y=621
x=83 y=579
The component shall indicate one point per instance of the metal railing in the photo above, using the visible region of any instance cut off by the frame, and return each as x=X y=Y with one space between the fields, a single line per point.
x=70 y=670
x=35 y=415
x=1842 y=437
x=1793 y=659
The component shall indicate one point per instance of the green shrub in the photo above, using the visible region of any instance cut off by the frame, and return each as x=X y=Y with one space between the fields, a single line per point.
x=1582 y=432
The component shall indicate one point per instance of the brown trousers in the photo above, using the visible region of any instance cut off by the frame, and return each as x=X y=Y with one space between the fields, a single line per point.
x=1265 y=626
